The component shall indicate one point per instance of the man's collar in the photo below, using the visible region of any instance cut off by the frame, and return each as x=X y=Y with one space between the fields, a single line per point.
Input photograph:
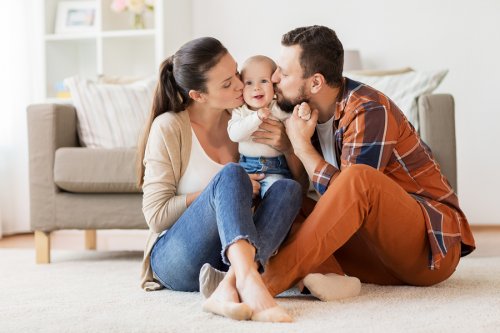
x=341 y=99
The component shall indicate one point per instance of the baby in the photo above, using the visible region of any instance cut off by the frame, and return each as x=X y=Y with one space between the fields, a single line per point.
x=258 y=94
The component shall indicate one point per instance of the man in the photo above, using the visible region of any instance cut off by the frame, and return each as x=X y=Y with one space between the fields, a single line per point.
x=386 y=214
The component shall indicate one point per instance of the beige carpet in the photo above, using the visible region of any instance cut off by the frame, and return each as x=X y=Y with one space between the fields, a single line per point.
x=98 y=292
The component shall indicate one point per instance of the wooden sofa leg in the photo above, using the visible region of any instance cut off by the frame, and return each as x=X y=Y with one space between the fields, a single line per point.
x=90 y=239
x=42 y=247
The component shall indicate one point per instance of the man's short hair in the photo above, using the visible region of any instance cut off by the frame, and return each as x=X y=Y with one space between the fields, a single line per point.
x=322 y=52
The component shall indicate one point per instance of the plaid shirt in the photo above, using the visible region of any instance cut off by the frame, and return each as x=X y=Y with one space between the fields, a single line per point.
x=370 y=129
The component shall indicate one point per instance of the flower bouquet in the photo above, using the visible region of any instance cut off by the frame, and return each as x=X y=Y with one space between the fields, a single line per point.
x=136 y=7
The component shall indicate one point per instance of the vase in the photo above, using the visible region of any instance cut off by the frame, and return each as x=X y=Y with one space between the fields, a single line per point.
x=138 y=22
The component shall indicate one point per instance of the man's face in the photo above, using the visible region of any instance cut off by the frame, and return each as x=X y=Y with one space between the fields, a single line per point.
x=290 y=86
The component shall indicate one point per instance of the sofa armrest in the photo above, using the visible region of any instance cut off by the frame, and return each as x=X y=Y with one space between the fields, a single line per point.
x=437 y=128
x=50 y=126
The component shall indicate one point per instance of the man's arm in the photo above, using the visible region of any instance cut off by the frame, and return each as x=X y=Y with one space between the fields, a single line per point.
x=300 y=132
x=297 y=170
x=369 y=138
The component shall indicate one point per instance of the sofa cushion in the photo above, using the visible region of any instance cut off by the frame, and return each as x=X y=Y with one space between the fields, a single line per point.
x=97 y=170
x=405 y=88
x=111 y=115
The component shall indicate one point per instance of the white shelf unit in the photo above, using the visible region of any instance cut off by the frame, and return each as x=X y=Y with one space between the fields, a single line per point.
x=113 y=48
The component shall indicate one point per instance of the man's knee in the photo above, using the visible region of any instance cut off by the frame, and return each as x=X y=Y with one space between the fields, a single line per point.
x=357 y=177
x=360 y=171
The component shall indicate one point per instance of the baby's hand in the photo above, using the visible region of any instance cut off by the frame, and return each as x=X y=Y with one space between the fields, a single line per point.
x=263 y=113
x=304 y=111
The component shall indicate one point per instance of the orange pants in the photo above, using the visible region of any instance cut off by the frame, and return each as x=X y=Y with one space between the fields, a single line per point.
x=365 y=225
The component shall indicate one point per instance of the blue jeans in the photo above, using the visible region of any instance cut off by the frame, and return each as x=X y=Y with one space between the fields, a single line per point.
x=220 y=216
x=274 y=168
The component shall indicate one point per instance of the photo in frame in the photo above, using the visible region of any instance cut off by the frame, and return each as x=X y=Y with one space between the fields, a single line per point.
x=75 y=17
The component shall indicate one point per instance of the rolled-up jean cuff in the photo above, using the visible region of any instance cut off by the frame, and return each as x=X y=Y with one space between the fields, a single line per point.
x=247 y=238
x=263 y=262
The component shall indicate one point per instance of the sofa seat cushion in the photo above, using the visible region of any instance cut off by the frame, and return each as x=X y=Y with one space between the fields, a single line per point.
x=96 y=170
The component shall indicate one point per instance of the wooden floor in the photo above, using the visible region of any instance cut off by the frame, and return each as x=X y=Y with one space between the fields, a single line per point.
x=487 y=240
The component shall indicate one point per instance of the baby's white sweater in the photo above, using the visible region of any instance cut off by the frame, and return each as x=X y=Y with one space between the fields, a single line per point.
x=244 y=122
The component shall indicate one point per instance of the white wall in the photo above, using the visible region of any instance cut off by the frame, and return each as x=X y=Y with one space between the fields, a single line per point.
x=177 y=24
x=16 y=87
x=460 y=35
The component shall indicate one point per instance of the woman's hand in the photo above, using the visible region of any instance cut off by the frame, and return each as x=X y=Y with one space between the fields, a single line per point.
x=272 y=133
x=190 y=197
x=254 y=178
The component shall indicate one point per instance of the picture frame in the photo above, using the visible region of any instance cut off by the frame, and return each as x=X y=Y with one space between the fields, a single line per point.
x=75 y=17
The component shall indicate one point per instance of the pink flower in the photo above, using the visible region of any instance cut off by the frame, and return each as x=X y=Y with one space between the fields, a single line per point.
x=119 y=5
x=134 y=6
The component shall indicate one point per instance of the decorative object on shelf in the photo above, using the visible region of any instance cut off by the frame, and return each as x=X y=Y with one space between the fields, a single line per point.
x=352 y=60
x=136 y=7
x=112 y=47
x=61 y=90
x=75 y=17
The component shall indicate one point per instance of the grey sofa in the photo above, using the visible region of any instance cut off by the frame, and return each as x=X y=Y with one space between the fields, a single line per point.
x=72 y=187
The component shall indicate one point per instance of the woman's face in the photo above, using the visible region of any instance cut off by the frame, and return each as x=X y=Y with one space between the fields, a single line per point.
x=224 y=87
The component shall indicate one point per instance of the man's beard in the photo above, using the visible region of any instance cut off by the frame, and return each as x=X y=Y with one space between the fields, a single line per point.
x=287 y=104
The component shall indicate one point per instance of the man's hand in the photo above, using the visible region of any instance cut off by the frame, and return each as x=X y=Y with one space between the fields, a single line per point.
x=254 y=178
x=304 y=111
x=300 y=131
x=272 y=133
x=263 y=113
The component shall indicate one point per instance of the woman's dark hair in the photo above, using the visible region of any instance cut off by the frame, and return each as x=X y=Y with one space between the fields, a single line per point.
x=184 y=71
x=322 y=52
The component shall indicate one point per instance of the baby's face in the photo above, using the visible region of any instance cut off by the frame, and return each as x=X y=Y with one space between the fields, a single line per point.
x=258 y=89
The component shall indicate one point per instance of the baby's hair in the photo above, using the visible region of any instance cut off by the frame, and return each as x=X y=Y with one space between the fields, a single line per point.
x=258 y=58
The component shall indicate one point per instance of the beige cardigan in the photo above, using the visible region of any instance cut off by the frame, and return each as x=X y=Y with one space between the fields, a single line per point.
x=165 y=160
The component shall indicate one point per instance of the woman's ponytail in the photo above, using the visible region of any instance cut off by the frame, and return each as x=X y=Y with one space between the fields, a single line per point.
x=166 y=98
x=184 y=71
x=168 y=95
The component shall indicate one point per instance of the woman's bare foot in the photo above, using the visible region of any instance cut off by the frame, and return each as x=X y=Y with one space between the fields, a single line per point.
x=253 y=292
x=225 y=300
x=226 y=290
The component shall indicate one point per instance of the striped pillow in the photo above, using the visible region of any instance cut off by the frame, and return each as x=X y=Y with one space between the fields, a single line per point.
x=110 y=115
x=404 y=89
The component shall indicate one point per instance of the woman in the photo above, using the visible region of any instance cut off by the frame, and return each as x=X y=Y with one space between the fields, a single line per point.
x=197 y=203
